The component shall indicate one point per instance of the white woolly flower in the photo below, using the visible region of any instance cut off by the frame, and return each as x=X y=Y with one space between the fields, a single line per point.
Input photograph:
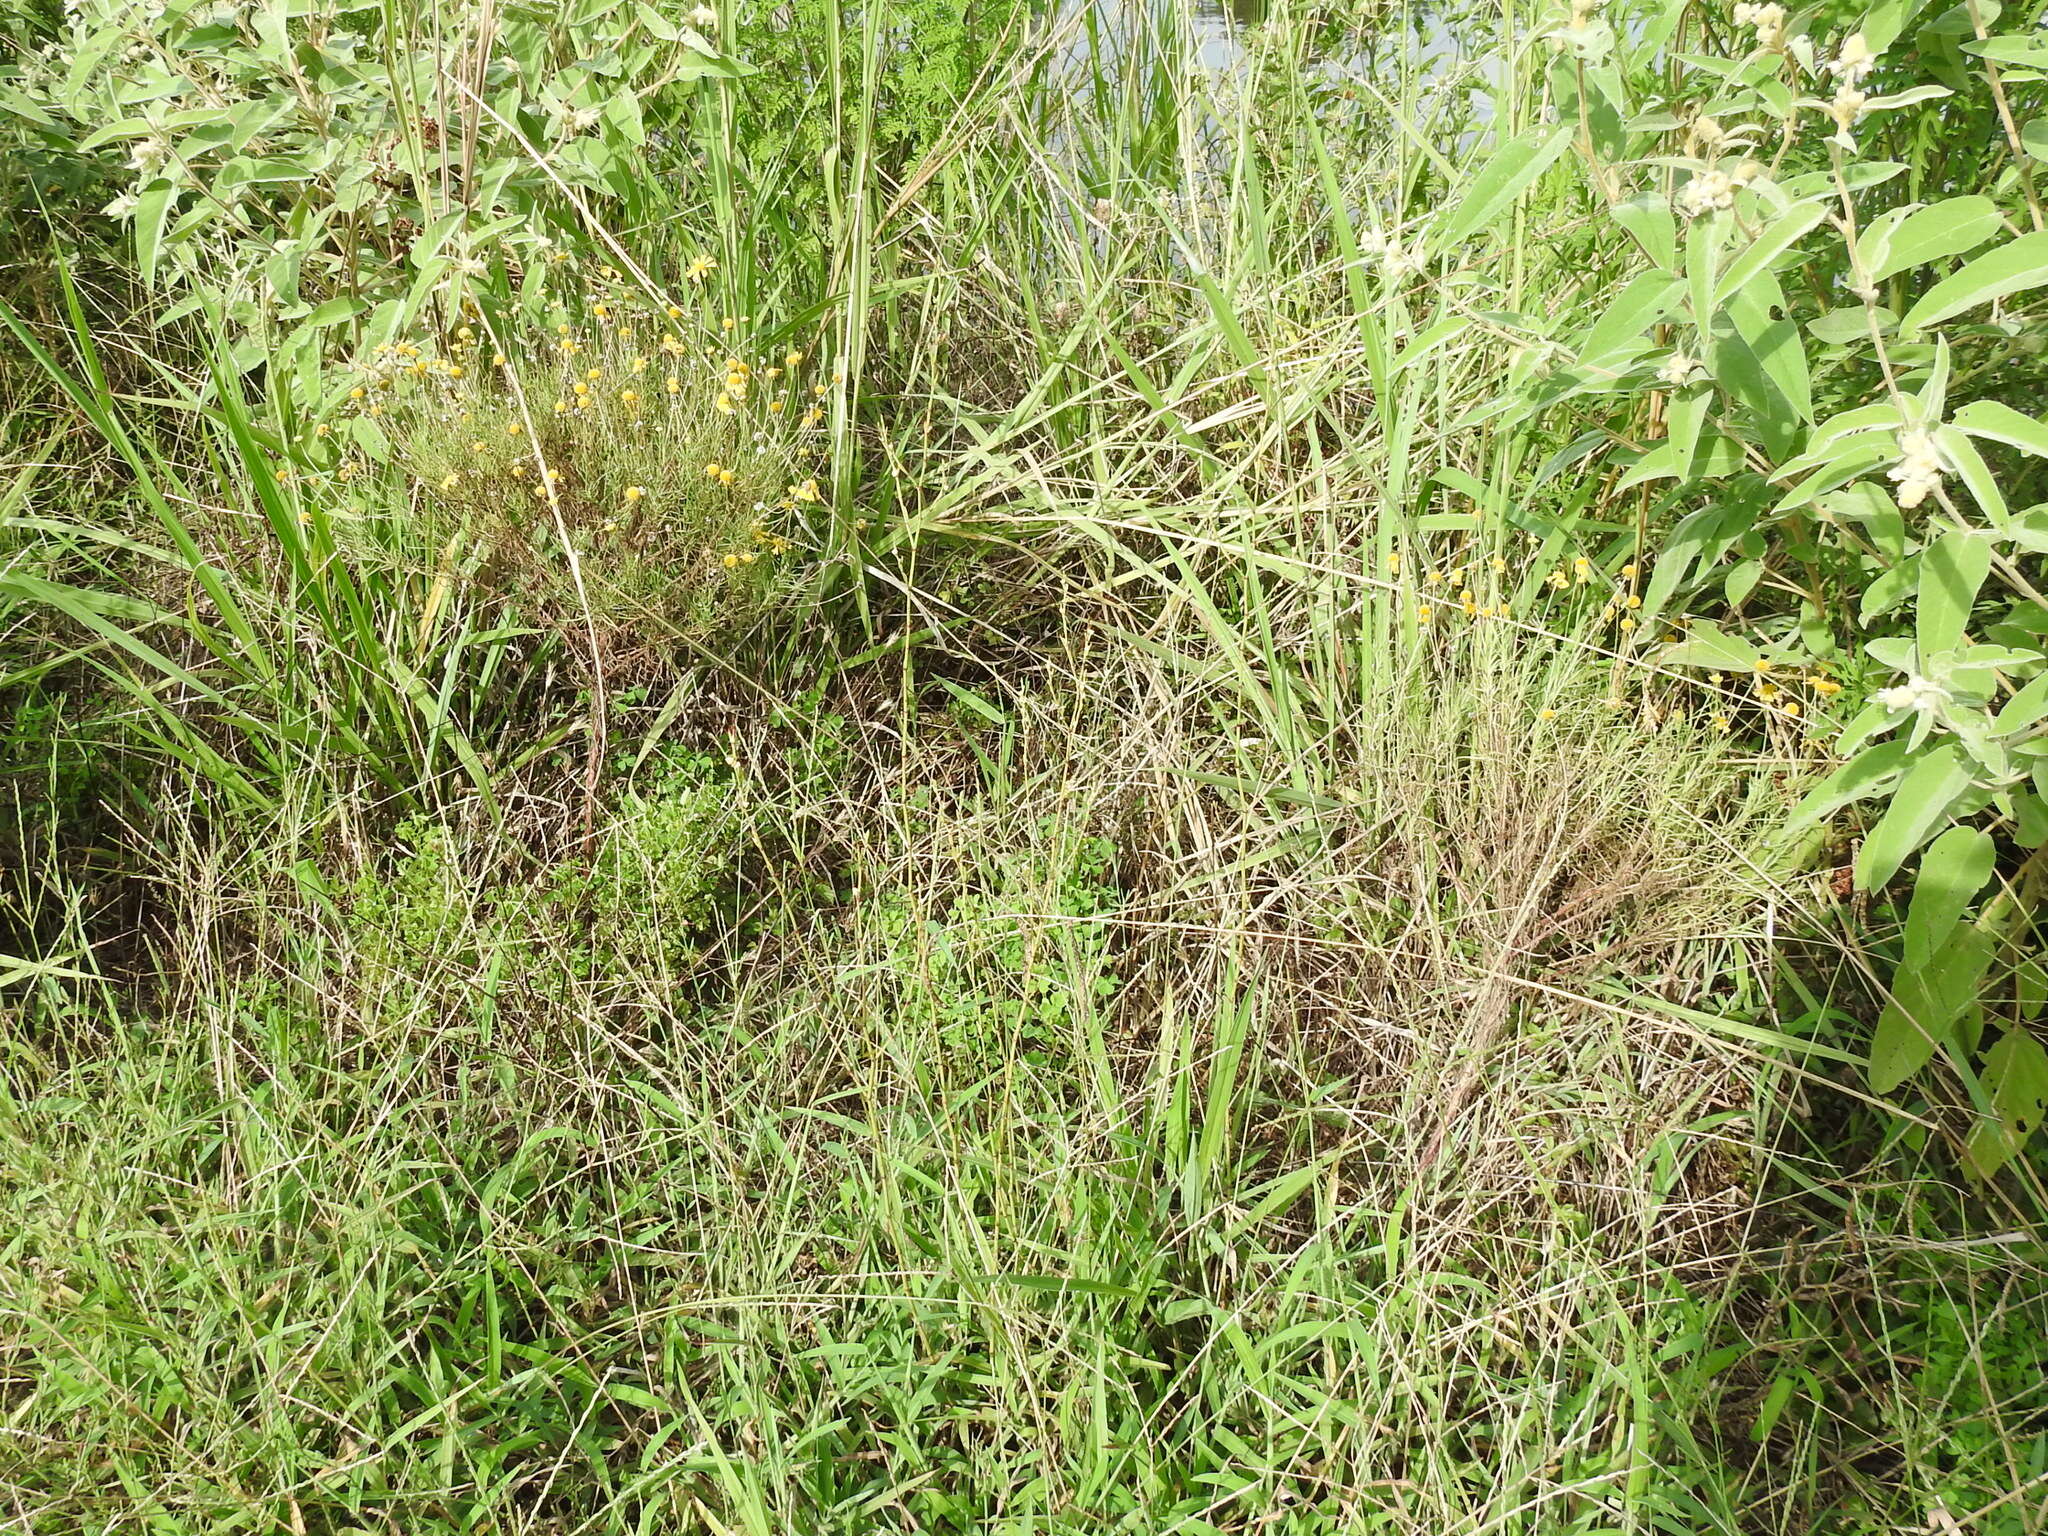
x=1845 y=109
x=1768 y=21
x=1677 y=369
x=148 y=155
x=1919 y=470
x=1399 y=263
x=1854 y=61
x=1706 y=192
x=703 y=18
x=1915 y=693
x=121 y=206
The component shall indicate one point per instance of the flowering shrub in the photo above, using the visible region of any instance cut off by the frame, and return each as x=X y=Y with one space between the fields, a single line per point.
x=1818 y=378
x=297 y=169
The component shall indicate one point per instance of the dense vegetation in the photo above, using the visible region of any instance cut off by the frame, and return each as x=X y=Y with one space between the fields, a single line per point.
x=953 y=768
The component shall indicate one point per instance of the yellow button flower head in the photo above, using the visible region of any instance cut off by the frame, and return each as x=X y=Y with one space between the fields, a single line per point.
x=629 y=396
x=449 y=482
x=701 y=267
x=728 y=322
x=594 y=373
x=725 y=405
x=674 y=385
x=674 y=312
x=731 y=561
x=634 y=493
x=726 y=477
x=808 y=491
x=775 y=406
x=355 y=394
x=497 y=359
x=562 y=329
x=711 y=470
x=511 y=429
x=322 y=430
x=603 y=312
x=477 y=447
x=792 y=359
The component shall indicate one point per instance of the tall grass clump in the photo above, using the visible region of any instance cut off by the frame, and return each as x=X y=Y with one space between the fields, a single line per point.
x=965 y=768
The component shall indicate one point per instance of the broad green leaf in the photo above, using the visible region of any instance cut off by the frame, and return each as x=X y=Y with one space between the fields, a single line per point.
x=656 y=23
x=1951 y=571
x=1872 y=771
x=1974 y=473
x=2002 y=424
x=1904 y=238
x=1778 y=236
x=1706 y=647
x=1952 y=871
x=1510 y=171
x=2016 y=1079
x=1647 y=299
x=1922 y=799
x=152 y=209
x=2029 y=52
x=1650 y=220
x=2012 y=268
x=1926 y=1002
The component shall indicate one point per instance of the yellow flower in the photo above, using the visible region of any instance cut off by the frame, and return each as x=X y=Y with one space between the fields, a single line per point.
x=455 y=370
x=731 y=561
x=634 y=493
x=580 y=387
x=497 y=359
x=728 y=322
x=1546 y=714
x=673 y=312
x=562 y=329
x=674 y=385
x=511 y=429
x=595 y=373
x=711 y=470
x=602 y=312
x=518 y=471
x=355 y=394
x=792 y=359
x=775 y=406
x=1791 y=707
x=808 y=491
x=322 y=430
x=554 y=477
x=725 y=405
x=1424 y=614
x=477 y=447
x=449 y=482
x=726 y=477
x=701 y=267
x=629 y=396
